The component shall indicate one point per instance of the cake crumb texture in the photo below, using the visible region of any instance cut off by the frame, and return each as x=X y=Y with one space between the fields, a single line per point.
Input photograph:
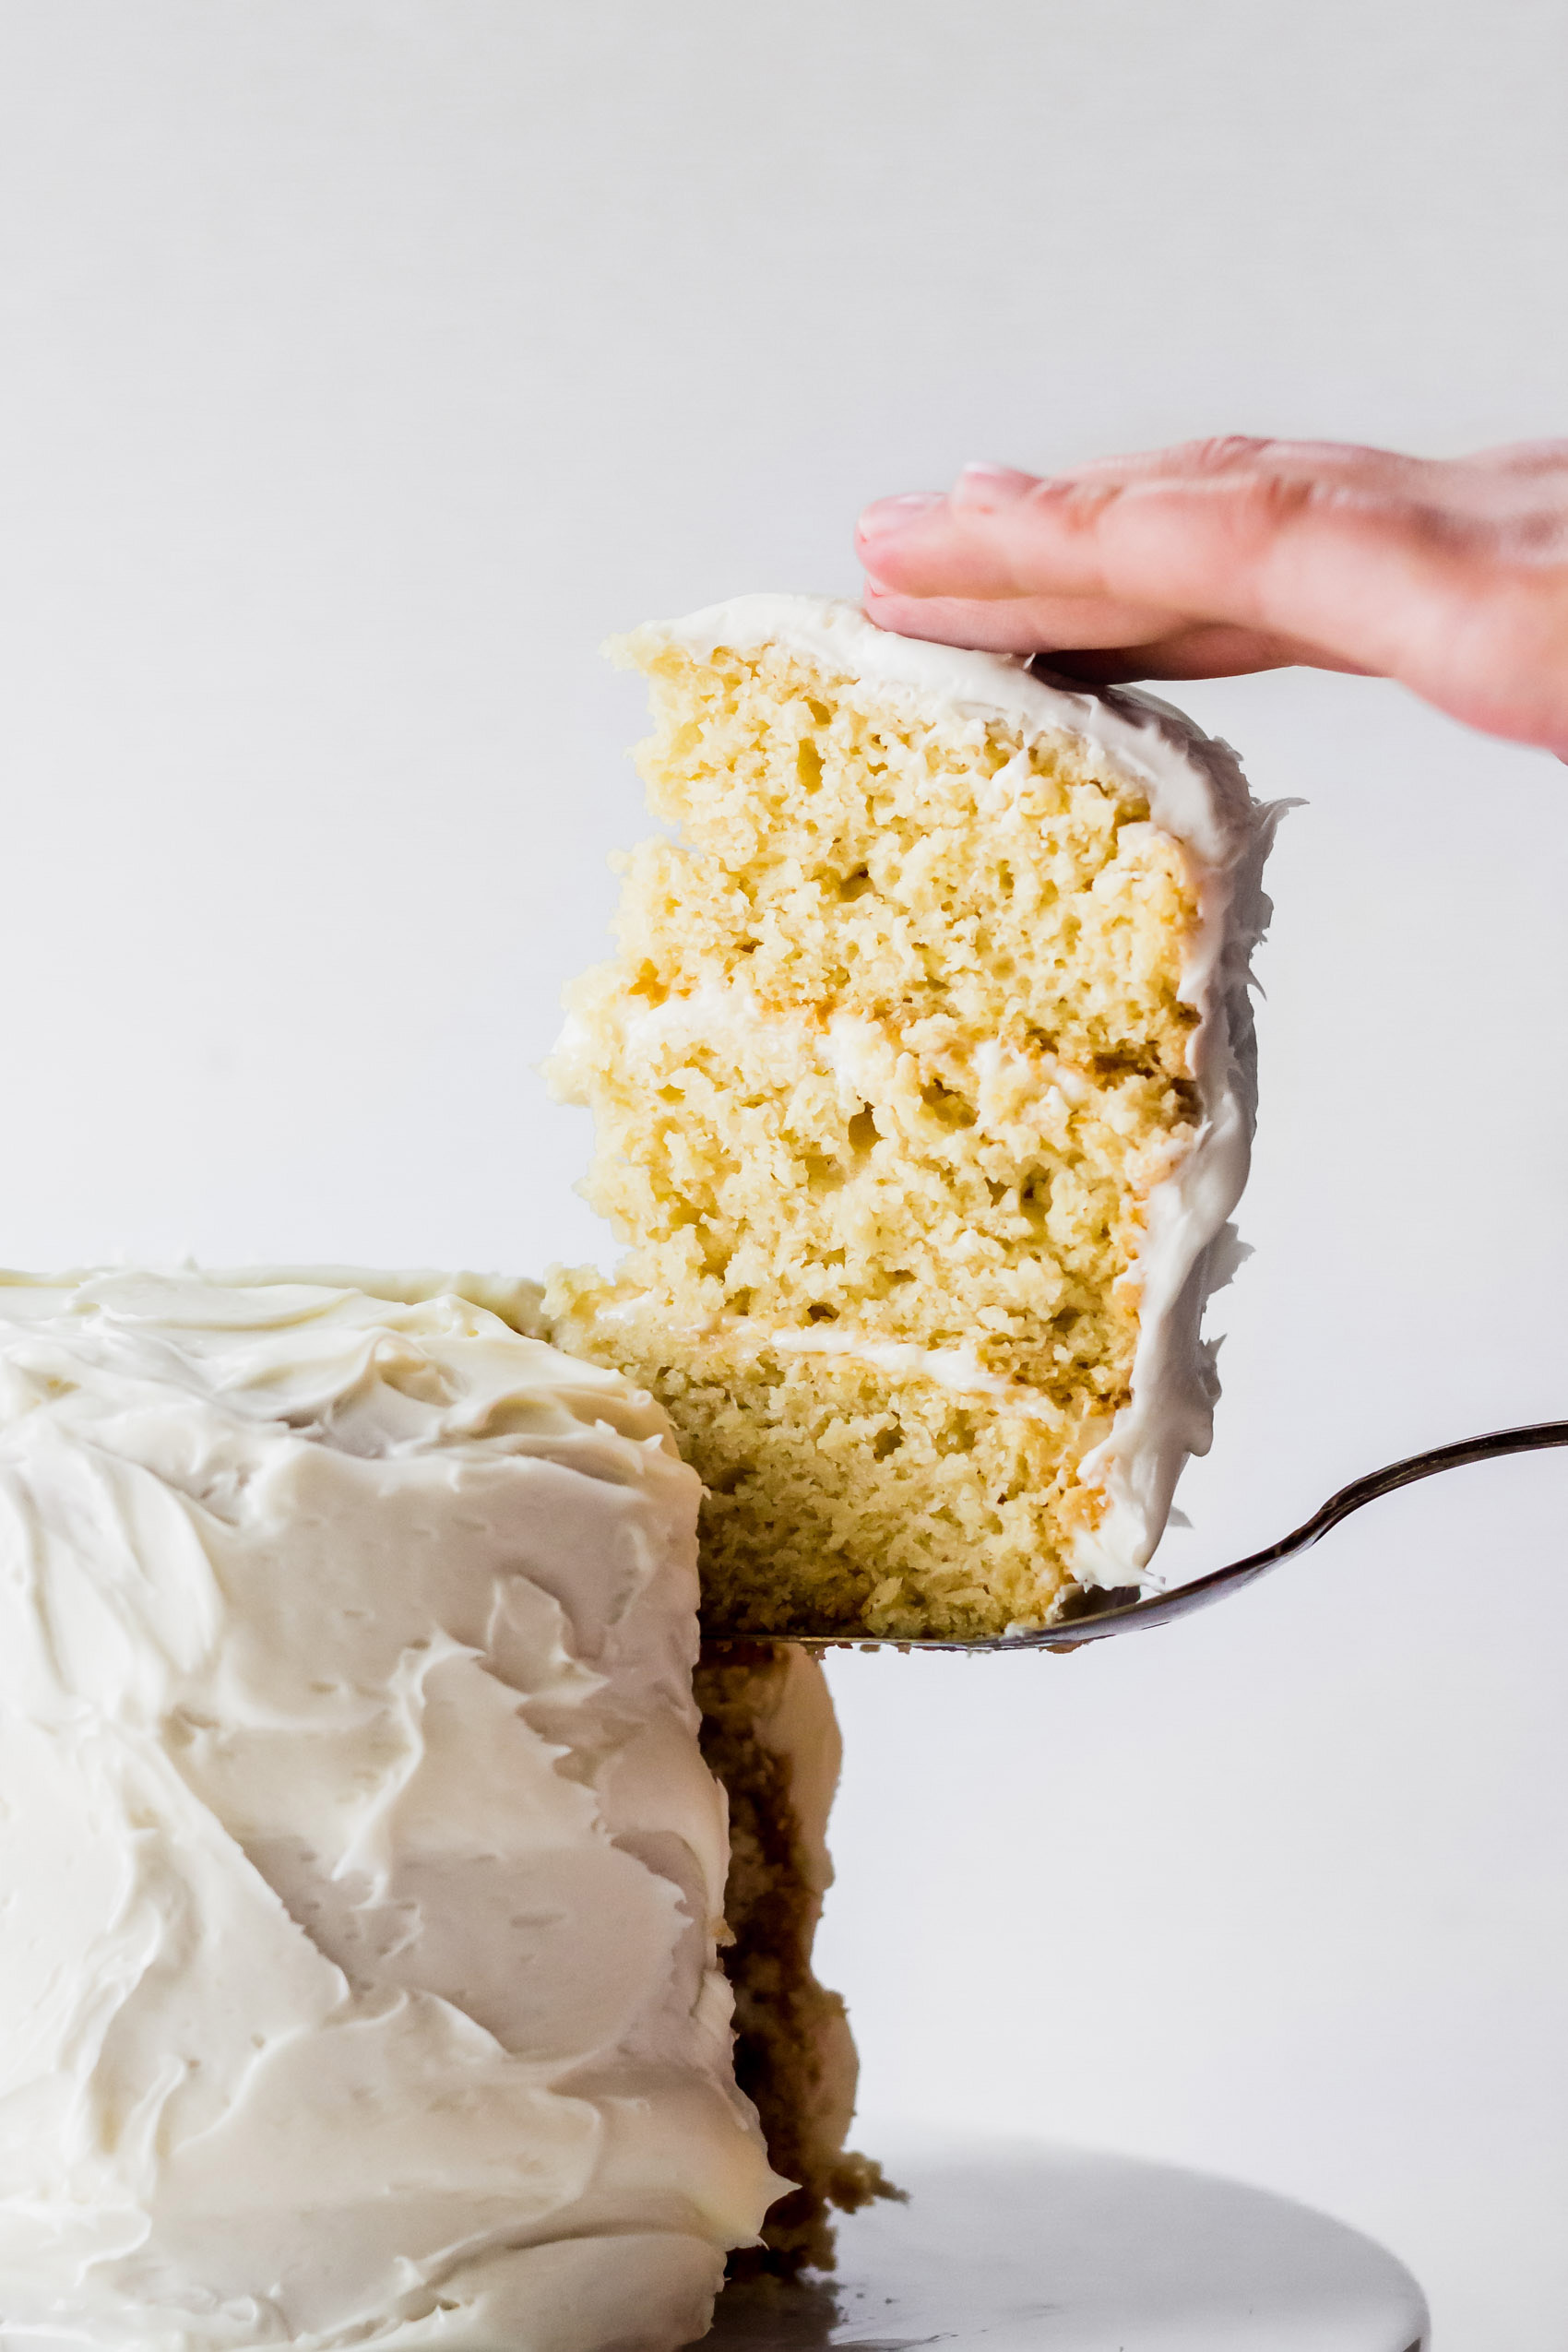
x=893 y=1055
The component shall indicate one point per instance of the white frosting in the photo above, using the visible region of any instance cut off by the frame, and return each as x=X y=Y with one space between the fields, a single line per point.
x=361 y=1873
x=955 y=1368
x=1197 y=794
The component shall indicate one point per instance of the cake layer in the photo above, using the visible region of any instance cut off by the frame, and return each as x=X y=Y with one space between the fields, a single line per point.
x=890 y=1490
x=358 y=1975
x=901 y=1182
x=923 y=1090
x=849 y=845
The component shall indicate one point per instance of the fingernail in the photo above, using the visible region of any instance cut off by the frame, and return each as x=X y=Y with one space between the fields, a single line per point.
x=982 y=484
x=875 y=586
x=885 y=516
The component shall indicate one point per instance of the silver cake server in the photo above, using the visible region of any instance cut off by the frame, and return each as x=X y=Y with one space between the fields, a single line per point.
x=1097 y=1615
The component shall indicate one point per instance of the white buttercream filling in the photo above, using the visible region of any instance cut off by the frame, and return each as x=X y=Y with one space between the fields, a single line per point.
x=360 y=1872
x=862 y=1054
x=954 y=1367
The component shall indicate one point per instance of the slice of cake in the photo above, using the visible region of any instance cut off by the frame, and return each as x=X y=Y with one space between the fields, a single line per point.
x=359 y=1981
x=923 y=1089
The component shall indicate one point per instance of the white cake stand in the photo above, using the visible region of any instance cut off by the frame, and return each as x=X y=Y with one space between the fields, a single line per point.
x=1020 y=2248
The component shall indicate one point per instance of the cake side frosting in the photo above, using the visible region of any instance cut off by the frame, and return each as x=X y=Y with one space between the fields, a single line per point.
x=358 y=1979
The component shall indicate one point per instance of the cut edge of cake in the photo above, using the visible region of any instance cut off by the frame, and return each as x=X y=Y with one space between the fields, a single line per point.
x=800 y=693
x=770 y=1738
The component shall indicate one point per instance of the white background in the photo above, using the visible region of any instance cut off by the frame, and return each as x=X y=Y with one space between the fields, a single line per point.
x=366 y=362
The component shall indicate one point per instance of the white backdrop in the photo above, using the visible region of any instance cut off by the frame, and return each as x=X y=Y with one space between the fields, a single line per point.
x=366 y=362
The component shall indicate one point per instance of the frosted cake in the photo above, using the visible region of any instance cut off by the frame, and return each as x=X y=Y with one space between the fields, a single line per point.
x=923 y=1089
x=364 y=1881
x=399 y=1950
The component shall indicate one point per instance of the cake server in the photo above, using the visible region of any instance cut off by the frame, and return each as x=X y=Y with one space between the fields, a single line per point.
x=1099 y=1614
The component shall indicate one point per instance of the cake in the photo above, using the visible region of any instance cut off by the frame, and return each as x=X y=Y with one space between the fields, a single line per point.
x=363 y=1878
x=407 y=1934
x=923 y=1087
x=769 y=1734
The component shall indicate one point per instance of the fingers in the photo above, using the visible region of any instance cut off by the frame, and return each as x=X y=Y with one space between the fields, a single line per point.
x=1104 y=644
x=1283 y=546
x=1200 y=652
x=1014 y=624
x=1230 y=453
x=1236 y=553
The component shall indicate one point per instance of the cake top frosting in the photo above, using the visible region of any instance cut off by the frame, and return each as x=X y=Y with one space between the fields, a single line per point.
x=369 y=1374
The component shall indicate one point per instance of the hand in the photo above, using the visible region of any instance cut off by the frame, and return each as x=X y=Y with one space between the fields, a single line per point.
x=1224 y=556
